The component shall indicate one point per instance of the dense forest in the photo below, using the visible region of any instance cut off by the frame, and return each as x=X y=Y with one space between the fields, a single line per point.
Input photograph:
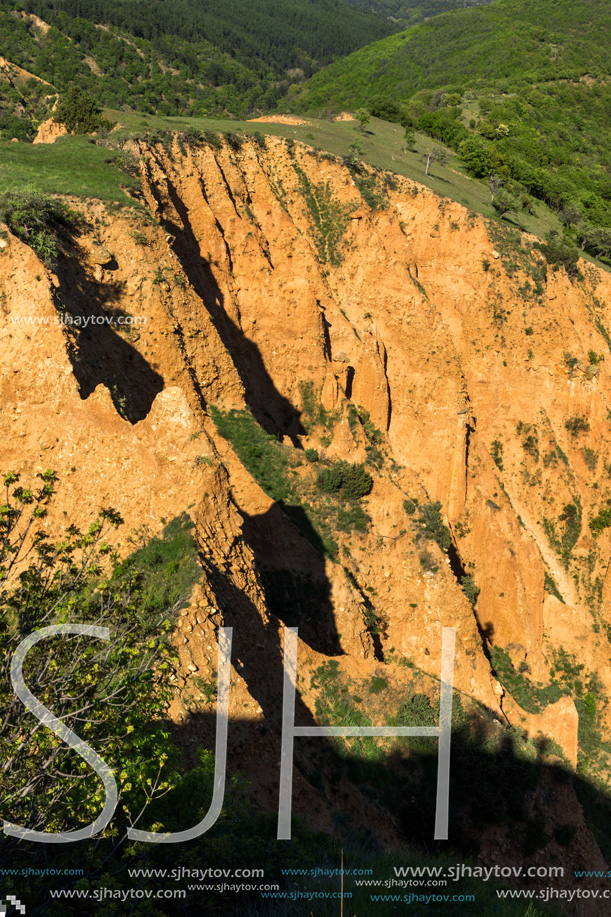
x=410 y=12
x=176 y=56
x=523 y=97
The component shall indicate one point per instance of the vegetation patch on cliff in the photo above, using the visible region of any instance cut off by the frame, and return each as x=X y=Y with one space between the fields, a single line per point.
x=329 y=500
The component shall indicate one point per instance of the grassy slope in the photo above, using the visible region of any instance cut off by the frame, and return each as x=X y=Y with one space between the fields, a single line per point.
x=74 y=166
x=71 y=165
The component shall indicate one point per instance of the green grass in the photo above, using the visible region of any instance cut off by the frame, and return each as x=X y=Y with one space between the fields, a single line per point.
x=531 y=698
x=266 y=459
x=71 y=166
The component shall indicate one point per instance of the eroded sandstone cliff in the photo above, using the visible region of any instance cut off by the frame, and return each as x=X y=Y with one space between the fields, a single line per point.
x=372 y=321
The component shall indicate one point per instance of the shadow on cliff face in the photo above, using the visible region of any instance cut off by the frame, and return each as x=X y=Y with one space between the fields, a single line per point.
x=506 y=810
x=289 y=558
x=273 y=411
x=292 y=575
x=510 y=801
x=98 y=353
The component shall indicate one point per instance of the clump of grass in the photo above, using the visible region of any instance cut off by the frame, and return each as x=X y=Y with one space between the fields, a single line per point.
x=328 y=217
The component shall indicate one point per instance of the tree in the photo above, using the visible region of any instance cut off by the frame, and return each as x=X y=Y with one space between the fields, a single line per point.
x=80 y=113
x=559 y=251
x=435 y=154
x=474 y=152
x=109 y=692
x=409 y=138
x=595 y=239
x=570 y=214
x=503 y=202
x=363 y=117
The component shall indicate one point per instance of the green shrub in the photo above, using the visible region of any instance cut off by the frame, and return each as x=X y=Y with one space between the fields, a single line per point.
x=311 y=455
x=36 y=219
x=496 y=451
x=259 y=139
x=560 y=253
x=212 y=139
x=234 y=141
x=576 y=425
x=601 y=521
x=356 y=481
x=409 y=506
x=329 y=480
x=432 y=526
x=470 y=589
x=353 y=480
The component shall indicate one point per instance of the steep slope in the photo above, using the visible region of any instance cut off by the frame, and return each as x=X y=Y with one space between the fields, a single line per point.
x=416 y=337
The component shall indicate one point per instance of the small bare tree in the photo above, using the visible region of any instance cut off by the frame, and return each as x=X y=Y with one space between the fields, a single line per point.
x=435 y=154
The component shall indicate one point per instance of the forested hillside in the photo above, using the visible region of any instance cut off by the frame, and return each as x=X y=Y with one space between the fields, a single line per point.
x=520 y=88
x=411 y=12
x=233 y=56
